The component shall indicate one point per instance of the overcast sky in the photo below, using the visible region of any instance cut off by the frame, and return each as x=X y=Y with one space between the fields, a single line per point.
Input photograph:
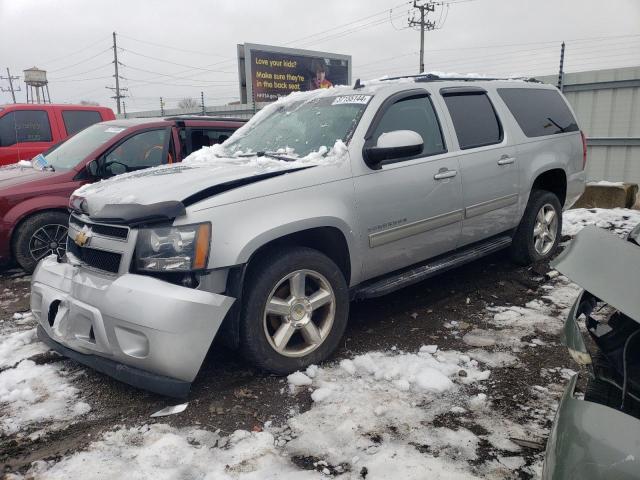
x=71 y=39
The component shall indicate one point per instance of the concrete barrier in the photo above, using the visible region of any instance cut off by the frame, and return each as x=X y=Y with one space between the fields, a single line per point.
x=608 y=195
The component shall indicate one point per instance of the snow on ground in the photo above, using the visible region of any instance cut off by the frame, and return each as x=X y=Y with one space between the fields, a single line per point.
x=385 y=414
x=34 y=398
x=619 y=220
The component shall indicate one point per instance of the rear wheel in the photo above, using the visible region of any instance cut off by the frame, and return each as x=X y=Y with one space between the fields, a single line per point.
x=294 y=311
x=38 y=236
x=539 y=231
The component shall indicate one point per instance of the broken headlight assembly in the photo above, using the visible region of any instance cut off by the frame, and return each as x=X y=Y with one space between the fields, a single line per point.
x=181 y=248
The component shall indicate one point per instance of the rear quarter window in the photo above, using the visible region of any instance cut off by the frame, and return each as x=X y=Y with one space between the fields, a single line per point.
x=539 y=112
x=76 y=120
x=474 y=119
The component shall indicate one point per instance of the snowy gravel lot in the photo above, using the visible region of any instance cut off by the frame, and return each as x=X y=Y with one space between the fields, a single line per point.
x=439 y=380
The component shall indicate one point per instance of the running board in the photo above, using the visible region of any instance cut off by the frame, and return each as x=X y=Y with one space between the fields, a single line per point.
x=408 y=277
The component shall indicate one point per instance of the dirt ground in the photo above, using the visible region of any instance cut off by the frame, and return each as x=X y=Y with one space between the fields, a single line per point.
x=228 y=394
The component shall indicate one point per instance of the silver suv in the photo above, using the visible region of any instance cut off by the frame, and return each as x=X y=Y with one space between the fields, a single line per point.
x=322 y=198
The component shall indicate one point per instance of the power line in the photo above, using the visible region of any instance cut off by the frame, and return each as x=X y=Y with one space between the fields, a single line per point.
x=82 y=61
x=83 y=49
x=208 y=54
x=172 y=63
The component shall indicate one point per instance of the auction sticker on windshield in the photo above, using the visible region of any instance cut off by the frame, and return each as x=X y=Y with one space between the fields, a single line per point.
x=114 y=130
x=345 y=99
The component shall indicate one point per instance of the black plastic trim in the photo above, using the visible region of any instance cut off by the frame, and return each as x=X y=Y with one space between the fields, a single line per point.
x=462 y=90
x=135 y=215
x=135 y=377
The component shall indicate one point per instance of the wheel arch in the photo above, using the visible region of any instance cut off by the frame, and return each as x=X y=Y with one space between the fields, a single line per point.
x=554 y=181
x=329 y=240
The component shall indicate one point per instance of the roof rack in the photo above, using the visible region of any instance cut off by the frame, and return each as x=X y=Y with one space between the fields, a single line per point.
x=430 y=77
x=207 y=118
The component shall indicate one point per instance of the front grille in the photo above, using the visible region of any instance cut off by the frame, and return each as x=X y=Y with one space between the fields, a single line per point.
x=100 y=259
x=105 y=230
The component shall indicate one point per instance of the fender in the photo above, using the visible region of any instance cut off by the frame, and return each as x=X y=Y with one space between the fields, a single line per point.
x=34 y=205
x=281 y=231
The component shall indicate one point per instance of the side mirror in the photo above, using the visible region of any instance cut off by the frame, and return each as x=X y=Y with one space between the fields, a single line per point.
x=92 y=168
x=392 y=146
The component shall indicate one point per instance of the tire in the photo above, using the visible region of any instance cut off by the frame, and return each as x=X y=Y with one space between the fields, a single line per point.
x=603 y=393
x=524 y=247
x=274 y=276
x=33 y=234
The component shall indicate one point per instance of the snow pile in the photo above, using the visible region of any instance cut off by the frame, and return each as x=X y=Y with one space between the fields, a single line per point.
x=605 y=183
x=619 y=220
x=31 y=393
x=216 y=156
x=17 y=346
x=161 y=452
x=32 y=397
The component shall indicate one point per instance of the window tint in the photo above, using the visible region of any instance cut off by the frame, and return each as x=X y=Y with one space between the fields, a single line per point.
x=24 y=126
x=143 y=150
x=474 y=119
x=76 y=120
x=417 y=114
x=205 y=137
x=539 y=112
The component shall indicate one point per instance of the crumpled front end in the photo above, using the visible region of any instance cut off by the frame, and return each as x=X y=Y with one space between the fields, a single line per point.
x=591 y=441
x=141 y=330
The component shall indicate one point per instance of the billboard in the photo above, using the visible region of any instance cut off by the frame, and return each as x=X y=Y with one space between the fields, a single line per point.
x=268 y=72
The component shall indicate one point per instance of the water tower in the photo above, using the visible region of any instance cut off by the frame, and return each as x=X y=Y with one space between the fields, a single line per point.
x=36 y=81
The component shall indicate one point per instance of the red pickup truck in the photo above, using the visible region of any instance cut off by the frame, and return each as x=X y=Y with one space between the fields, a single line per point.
x=34 y=196
x=29 y=129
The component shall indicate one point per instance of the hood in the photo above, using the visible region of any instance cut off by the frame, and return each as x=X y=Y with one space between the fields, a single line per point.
x=606 y=266
x=187 y=183
x=16 y=174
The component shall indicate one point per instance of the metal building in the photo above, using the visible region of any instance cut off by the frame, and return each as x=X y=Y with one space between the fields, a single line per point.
x=607 y=104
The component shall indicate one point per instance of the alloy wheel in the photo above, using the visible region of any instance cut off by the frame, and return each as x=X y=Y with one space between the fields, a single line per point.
x=545 y=229
x=299 y=313
x=47 y=240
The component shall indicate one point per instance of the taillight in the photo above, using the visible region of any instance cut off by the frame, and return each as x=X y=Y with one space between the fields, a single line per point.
x=584 y=150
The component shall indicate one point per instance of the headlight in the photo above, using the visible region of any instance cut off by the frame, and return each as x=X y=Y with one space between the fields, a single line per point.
x=173 y=249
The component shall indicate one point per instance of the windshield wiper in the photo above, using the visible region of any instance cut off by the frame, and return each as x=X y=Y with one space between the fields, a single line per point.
x=562 y=129
x=276 y=155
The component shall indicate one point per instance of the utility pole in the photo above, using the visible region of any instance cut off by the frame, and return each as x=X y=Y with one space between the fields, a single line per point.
x=202 y=103
x=10 y=78
x=424 y=24
x=118 y=91
x=161 y=107
x=561 y=71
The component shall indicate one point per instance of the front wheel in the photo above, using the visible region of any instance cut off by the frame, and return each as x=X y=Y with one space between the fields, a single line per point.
x=540 y=228
x=294 y=311
x=38 y=236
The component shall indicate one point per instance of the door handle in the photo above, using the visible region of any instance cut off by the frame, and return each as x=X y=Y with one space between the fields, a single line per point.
x=506 y=160
x=442 y=174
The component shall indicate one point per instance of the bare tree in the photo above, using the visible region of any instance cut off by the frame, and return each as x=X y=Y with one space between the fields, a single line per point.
x=89 y=103
x=188 y=104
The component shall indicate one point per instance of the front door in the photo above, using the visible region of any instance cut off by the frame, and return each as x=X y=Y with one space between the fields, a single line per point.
x=409 y=210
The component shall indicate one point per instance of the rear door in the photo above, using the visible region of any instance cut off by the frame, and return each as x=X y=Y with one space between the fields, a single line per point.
x=410 y=209
x=488 y=164
x=25 y=133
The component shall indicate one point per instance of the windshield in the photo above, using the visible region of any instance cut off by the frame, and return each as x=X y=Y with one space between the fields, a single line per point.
x=299 y=128
x=68 y=154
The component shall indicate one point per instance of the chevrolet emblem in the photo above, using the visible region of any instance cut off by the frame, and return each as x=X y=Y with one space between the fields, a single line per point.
x=81 y=239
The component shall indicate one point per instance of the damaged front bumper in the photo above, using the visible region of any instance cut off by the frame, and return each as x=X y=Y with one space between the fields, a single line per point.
x=591 y=441
x=138 y=329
